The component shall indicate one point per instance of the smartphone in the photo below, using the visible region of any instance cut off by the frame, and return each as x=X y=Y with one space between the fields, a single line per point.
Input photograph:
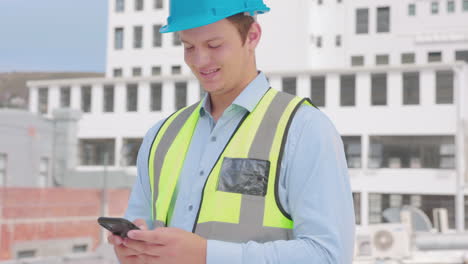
x=117 y=226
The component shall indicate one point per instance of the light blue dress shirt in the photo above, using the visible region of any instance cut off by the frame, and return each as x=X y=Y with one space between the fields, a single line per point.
x=314 y=186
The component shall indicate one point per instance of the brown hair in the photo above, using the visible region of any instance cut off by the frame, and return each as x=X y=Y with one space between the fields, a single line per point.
x=242 y=23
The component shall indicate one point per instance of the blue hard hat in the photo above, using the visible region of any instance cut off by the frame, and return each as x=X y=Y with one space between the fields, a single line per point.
x=187 y=14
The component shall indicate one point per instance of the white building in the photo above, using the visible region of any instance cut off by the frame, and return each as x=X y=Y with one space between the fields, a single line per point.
x=392 y=76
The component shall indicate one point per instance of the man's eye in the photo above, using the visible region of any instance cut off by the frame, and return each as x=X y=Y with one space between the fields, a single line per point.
x=188 y=47
x=214 y=46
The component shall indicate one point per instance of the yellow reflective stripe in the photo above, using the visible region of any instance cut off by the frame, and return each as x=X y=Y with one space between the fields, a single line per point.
x=155 y=145
x=223 y=206
x=273 y=217
x=172 y=165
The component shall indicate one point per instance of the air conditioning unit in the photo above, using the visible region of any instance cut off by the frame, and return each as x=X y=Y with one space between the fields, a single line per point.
x=362 y=244
x=382 y=241
x=390 y=241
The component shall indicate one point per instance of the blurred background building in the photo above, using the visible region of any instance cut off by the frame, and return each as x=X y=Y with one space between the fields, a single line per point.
x=391 y=75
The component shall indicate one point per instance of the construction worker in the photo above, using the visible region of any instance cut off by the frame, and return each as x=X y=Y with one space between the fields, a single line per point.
x=249 y=174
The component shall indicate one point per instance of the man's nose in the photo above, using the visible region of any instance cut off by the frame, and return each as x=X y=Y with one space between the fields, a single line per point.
x=201 y=58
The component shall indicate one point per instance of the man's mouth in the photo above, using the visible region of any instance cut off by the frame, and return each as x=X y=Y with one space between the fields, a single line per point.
x=209 y=72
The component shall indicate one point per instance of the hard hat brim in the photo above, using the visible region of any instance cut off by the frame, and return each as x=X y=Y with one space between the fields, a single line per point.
x=194 y=22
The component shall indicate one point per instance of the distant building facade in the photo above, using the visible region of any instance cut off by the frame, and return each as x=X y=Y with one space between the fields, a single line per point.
x=391 y=75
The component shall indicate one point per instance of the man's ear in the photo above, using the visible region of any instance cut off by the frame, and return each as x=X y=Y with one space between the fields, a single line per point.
x=253 y=36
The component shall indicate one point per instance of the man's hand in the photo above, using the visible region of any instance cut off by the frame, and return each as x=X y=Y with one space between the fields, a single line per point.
x=124 y=254
x=167 y=245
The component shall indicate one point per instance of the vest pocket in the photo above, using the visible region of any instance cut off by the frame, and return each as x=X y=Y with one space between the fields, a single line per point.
x=244 y=176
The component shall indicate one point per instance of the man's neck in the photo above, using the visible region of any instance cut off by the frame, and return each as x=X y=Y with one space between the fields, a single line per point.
x=219 y=102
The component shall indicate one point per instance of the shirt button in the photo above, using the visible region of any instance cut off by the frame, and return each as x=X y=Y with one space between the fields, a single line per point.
x=190 y=207
x=202 y=172
x=213 y=139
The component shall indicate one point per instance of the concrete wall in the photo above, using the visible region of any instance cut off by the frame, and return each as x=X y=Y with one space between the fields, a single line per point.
x=25 y=138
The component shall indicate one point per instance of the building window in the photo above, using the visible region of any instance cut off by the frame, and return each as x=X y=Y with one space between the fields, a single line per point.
x=383 y=19
x=137 y=37
x=86 y=99
x=352 y=149
x=44 y=168
x=65 y=96
x=381 y=59
x=117 y=72
x=156 y=70
x=138 y=5
x=156 y=97
x=444 y=87
x=379 y=89
x=411 y=9
x=434 y=7
x=3 y=169
x=407 y=58
x=465 y=5
x=338 y=40
x=158 y=4
x=461 y=55
x=176 y=39
x=362 y=21
x=108 y=100
x=28 y=253
x=136 y=71
x=357 y=207
x=119 y=5
x=176 y=69
x=289 y=85
x=426 y=203
x=435 y=152
x=130 y=151
x=157 y=36
x=79 y=248
x=132 y=97
x=434 y=56
x=317 y=90
x=347 y=90
x=118 y=38
x=357 y=61
x=450 y=6
x=43 y=100
x=375 y=208
x=318 y=42
x=180 y=95
x=97 y=152
x=410 y=88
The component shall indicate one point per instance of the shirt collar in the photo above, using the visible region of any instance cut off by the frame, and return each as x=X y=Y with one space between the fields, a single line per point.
x=248 y=98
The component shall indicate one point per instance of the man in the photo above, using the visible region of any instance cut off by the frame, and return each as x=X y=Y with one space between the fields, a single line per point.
x=248 y=175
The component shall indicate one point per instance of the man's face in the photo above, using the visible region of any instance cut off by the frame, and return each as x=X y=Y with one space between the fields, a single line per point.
x=216 y=55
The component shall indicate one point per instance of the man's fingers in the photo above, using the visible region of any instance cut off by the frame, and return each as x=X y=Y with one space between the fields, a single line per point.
x=156 y=236
x=144 y=258
x=114 y=240
x=143 y=247
x=141 y=223
x=124 y=251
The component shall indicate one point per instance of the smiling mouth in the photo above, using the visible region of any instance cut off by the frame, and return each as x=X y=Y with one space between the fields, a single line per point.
x=210 y=72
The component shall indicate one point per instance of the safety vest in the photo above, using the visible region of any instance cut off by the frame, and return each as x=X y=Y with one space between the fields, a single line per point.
x=240 y=199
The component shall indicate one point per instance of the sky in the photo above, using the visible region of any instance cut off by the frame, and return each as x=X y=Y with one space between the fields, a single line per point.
x=53 y=35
